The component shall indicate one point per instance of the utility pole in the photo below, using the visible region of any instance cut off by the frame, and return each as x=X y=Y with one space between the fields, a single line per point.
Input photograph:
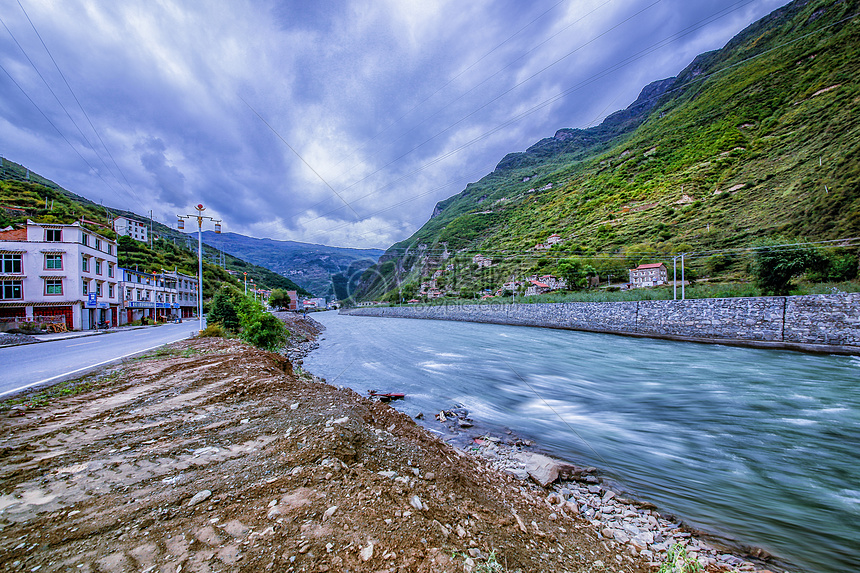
x=675 y=277
x=181 y=225
x=682 y=277
x=150 y=228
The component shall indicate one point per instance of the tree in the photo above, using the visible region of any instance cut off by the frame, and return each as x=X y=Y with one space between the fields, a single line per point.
x=776 y=263
x=279 y=299
x=222 y=309
x=576 y=273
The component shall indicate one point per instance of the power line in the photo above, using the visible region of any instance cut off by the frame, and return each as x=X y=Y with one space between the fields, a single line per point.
x=36 y=69
x=130 y=188
x=57 y=129
x=300 y=157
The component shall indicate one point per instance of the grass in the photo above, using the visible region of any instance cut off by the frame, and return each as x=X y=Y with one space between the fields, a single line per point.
x=62 y=390
x=170 y=352
x=677 y=561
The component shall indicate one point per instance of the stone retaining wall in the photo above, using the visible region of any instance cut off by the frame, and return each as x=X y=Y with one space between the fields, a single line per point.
x=832 y=320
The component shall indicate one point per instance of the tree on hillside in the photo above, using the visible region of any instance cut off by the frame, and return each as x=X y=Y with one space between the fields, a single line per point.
x=575 y=273
x=777 y=262
x=279 y=299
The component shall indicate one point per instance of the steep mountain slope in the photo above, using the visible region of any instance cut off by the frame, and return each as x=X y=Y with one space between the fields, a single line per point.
x=311 y=266
x=758 y=139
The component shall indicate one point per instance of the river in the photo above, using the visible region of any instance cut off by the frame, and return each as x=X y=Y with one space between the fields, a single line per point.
x=759 y=446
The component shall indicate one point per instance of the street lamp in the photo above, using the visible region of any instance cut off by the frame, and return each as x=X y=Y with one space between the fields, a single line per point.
x=246 y=283
x=181 y=225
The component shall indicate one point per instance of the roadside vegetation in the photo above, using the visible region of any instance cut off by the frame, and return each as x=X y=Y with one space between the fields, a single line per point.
x=232 y=313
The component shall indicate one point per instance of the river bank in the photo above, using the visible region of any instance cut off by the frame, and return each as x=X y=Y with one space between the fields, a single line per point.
x=827 y=324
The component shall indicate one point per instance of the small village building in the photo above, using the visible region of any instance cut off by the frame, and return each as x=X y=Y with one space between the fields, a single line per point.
x=649 y=275
x=536 y=288
x=482 y=261
x=131 y=228
x=58 y=273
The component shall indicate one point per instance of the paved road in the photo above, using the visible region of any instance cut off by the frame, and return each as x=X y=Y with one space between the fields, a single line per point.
x=32 y=365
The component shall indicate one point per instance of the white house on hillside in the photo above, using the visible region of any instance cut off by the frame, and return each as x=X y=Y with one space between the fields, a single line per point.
x=131 y=228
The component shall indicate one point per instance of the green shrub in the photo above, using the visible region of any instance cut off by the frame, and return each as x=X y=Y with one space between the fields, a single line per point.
x=214 y=330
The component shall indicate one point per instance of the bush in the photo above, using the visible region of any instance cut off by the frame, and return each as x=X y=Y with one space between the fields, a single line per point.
x=214 y=330
x=258 y=327
x=777 y=263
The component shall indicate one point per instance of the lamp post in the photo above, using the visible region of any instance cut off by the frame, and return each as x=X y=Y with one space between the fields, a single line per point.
x=181 y=226
x=246 y=283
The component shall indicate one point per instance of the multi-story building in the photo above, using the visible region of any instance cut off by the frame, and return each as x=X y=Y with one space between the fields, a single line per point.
x=186 y=293
x=137 y=291
x=63 y=271
x=131 y=228
x=653 y=274
x=157 y=296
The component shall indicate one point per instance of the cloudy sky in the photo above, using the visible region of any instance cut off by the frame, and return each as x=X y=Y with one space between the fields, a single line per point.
x=327 y=121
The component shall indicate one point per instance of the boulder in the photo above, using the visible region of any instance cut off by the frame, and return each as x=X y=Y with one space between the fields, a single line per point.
x=543 y=469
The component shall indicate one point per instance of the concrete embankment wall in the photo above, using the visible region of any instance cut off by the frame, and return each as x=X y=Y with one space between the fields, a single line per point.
x=827 y=323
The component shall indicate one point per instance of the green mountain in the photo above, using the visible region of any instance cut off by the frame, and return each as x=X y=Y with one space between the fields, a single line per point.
x=318 y=268
x=757 y=140
x=24 y=194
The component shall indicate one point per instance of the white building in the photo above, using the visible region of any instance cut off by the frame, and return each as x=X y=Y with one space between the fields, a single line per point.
x=186 y=293
x=653 y=274
x=156 y=296
x=131 y=228
x=58 y=272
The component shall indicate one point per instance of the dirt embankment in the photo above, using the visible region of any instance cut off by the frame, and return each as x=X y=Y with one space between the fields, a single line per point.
x=213 y=456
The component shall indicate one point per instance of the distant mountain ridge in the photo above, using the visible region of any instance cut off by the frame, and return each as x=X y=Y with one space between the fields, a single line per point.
x=309 y=265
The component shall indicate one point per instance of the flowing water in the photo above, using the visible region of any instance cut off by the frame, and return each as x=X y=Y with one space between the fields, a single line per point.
x=759 y=446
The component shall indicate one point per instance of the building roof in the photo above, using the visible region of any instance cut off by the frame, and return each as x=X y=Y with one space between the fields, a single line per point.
x=650 y=266
x=539 y=284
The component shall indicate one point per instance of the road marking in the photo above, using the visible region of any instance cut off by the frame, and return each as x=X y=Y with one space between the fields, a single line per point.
x=81 y=343
x=103 y=362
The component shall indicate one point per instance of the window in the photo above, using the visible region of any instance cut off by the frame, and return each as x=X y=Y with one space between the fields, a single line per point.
x=54 y=262
x=128 y=294
x=98 y=288
x=10 y=290
x=85 y=239
x=85 y=286
x=98 y=267
x=110 y=270
x=110 y=249
x=53 y=286
x=139 y=295
x=98 y=244
x=53 y=235
x=110 y=291
x=85 y=263
x=11 y=264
